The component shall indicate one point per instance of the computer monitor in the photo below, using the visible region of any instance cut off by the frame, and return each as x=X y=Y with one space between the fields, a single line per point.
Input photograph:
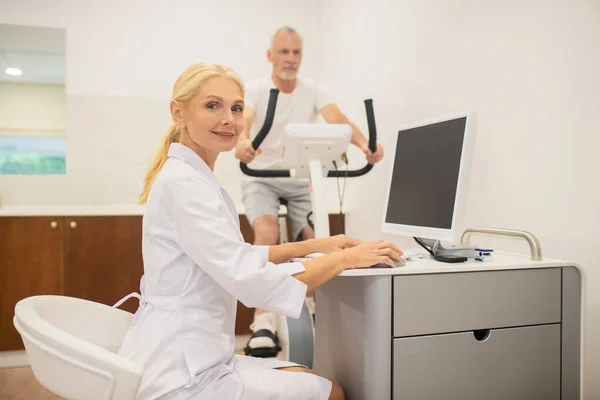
x=429 y=178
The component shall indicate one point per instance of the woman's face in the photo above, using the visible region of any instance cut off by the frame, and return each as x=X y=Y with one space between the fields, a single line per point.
x=213 y=119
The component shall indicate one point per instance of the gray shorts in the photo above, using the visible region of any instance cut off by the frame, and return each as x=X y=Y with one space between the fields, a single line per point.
x=261 y=197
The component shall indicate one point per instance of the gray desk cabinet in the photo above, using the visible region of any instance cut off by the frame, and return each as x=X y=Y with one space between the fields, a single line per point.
x=481 y=333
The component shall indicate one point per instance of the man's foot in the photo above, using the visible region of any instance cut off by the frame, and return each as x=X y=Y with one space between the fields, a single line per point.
x=264 y=342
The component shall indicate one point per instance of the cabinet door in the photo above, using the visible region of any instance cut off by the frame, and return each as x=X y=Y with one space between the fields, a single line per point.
x=513 y=363
x=103 y=259
x=31 y=261
x=438 y=303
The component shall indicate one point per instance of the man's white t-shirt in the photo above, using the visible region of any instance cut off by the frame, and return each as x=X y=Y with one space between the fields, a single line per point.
x=300 y=106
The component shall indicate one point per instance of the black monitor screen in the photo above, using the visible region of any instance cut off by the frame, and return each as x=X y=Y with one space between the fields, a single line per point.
x=425 y=175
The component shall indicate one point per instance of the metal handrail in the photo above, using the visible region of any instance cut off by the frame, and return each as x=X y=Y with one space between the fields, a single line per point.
x=534 y=243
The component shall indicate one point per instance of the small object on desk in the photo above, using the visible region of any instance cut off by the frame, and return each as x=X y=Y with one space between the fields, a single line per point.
x=450 y=258
x=412 y=256
x=484 y=255
x=462 y=250
x=380 y=265
x=399 y=263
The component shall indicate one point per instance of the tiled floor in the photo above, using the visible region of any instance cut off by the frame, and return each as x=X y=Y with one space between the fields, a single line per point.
x=20 y=383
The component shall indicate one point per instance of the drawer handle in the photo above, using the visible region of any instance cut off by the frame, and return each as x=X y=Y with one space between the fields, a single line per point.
x=481 y=334
x=534 y=243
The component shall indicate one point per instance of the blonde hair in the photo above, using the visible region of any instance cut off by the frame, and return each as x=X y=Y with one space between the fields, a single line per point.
x=184 y=89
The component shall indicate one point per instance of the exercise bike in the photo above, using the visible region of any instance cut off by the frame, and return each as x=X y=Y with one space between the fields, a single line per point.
x=315 y=151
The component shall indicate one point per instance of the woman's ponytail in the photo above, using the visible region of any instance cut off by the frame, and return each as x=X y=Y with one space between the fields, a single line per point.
x=171 y=136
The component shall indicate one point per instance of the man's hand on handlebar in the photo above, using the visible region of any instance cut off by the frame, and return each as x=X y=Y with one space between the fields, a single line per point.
x=245 y=152
x=373 y=158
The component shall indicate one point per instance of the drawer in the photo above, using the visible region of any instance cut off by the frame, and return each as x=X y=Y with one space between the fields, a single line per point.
x=442 y=303
x=512 y=363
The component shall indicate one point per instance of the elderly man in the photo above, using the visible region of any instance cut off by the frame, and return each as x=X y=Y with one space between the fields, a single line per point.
x=300 y=100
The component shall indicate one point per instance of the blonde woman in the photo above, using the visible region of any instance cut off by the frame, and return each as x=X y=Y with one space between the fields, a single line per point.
x=197 y=265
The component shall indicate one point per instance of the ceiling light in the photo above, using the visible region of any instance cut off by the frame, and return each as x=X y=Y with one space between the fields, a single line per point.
x=13 y=71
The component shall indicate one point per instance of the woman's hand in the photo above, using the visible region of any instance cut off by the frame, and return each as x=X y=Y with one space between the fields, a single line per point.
x=334 y=243
x=370 y=253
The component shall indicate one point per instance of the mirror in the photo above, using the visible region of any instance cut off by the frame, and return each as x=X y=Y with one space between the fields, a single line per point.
x=32 y=100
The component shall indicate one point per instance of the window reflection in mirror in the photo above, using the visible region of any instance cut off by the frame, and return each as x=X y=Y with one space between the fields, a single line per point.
x=32 y=100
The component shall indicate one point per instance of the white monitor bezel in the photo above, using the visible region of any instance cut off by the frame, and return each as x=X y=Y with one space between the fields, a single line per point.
x=464 y=176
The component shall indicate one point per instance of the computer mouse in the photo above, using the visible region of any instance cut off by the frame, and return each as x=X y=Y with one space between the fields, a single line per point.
x=398 y=263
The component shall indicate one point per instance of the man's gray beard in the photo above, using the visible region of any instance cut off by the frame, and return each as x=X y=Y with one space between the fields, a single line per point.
x=286 y=76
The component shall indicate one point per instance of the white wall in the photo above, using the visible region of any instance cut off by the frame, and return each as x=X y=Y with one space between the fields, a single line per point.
x=122 y=59
x=529 y=69
x=32 y=109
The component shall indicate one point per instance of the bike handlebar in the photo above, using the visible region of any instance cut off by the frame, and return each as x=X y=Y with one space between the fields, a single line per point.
x=285 y=173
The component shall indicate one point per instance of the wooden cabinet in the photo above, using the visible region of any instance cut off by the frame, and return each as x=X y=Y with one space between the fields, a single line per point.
x=97 y=258
x=94 y=258
x=31 y=263
x=103 y=258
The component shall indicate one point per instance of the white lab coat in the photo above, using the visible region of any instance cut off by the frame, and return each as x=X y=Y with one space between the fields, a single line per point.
x=196 y=266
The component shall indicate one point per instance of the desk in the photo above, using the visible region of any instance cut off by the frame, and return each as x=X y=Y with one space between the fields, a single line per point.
x=506 y=329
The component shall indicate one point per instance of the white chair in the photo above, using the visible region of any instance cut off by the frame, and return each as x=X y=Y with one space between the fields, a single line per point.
x=71 y=344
